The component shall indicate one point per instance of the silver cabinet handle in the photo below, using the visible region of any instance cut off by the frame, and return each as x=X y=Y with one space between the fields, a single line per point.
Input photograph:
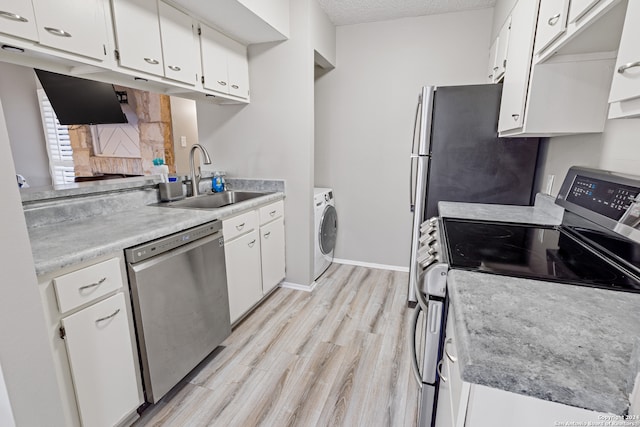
x=57 y=32
x=152 y=61
x=490 y=76
x=235 y=86
x=442 y=377
x=272 y=213
x=240 y=226
x=102 y=319
x=222 y=83
x=13 y=16
x=515 y=116
x=495 y=68
x=251 y=243
x=453 y=359
x=414 y=354
x=93 y=285
x=174 y=68
x=554 y=19
x=267 y=234
x=625 y=67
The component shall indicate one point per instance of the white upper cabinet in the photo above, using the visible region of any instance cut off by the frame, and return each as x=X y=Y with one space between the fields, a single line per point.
x=225 y=67
x=18 y=19
x=626 y=79
x=491 y=69
x=520 y=49
x=137 y=31
x=578 y=8
x=552 y=22
x=178 y=44
x=76 y=26
x=250 y=21
x=501 y=51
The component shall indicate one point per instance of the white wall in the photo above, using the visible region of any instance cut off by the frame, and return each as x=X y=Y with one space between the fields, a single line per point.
x=6 y=414
x=364 y=120
x=323 y=36
x=272 y=137
x=24 y=123
x=501 y=10
x=25 y=355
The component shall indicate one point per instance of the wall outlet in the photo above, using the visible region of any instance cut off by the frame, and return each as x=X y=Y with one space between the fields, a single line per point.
x=183 y=141
x=549 y=185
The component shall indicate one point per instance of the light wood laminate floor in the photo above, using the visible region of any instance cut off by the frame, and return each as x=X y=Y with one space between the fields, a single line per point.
x=338 y=356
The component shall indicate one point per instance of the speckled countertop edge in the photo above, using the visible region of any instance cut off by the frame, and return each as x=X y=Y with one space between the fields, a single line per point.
x=61 y=245
x=564 y=343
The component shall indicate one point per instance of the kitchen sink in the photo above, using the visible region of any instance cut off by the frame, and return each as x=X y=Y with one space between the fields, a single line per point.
x=215 y=200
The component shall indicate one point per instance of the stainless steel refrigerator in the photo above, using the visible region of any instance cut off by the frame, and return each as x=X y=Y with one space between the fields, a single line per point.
x=457 y=156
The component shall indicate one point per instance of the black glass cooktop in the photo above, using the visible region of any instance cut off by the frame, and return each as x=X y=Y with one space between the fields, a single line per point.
x=536 y=252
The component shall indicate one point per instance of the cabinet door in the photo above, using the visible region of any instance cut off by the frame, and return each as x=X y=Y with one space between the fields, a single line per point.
x=76 y=26
x=273 y=259
x=552 y=22
x=238 y=69
x=178 y=44
x=137 y=31
x=18 y=19
x=102 y=362
x=244 y=282
x=519 y=54
x=626 y=78
x=501 y=51
x=491 y=69
x=578 y=8
x=215 y=53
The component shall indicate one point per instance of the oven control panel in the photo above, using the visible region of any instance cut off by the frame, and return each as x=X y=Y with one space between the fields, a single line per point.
x=607 y=198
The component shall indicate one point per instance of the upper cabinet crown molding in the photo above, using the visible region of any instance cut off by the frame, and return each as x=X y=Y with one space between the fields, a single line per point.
x=248 y=21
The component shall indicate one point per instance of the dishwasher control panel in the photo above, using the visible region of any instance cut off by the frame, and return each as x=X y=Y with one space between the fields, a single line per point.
x=164 y=244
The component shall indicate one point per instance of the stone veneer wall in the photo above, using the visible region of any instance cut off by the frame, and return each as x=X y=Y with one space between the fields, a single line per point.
x=154 y=124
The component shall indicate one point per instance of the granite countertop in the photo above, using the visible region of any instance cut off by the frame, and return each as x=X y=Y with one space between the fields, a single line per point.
x=67 y=243
x=564 y=343
x=544 y=212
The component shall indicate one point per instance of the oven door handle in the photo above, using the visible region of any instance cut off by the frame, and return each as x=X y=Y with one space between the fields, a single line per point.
x=422 y=302
x=414 y=354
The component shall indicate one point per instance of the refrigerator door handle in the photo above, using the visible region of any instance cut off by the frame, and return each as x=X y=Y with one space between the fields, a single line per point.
x=414 y=354
x=412 y=180
x=415 y=125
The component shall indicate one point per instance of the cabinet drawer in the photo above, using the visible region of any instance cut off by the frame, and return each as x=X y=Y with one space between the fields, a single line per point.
x=87 y=284
x=238 y=225
x=271 y=212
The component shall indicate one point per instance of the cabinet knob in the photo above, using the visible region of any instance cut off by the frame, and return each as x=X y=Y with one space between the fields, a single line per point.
x=625 y=67
x=554 y=19
x=174 y=68
x=222 y=83
x=152 y=61
x=57 y=32
x=515 y=116
x=12 y=16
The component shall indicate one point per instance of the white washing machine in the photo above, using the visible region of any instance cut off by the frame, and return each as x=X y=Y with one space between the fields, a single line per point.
x=326 y=229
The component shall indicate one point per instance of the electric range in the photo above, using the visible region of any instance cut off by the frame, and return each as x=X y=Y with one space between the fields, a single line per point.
x=596 y=245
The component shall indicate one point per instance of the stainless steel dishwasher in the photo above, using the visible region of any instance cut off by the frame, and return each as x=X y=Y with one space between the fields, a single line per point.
x=180 y=303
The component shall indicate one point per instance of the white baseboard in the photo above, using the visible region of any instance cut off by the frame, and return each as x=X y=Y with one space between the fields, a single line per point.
x=299 y=287
x=371 y=265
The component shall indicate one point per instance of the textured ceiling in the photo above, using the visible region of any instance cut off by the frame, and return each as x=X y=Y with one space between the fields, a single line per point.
x=345 y=12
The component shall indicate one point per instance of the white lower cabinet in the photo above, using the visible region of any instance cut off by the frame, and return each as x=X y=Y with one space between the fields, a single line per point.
x=461 y=404
x=102 y=362
x=89 y=319
x=255 y=256
x=244 y=282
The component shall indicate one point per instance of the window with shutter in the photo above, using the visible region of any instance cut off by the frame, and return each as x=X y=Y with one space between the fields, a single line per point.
x=58 y=143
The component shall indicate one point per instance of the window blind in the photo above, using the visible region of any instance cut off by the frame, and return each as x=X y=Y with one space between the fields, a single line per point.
x=58 y=143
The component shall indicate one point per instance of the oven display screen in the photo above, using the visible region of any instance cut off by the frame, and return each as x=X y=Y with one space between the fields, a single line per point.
x=606 y=198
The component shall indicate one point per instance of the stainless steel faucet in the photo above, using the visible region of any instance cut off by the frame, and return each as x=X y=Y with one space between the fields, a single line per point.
x=195 y=179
